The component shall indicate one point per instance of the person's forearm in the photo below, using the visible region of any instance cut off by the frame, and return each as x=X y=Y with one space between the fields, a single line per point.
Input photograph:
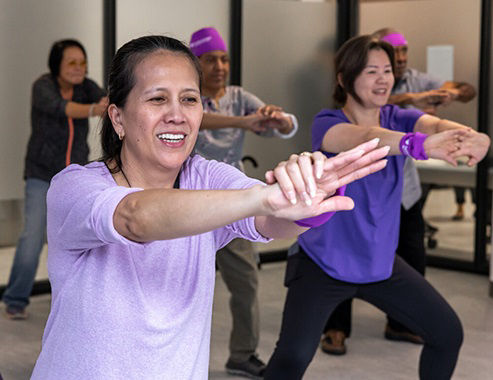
x=83 y=111
x=277 y=228
x=401 y=99
x=162 y=214
x=345 y=137
x=216 y=121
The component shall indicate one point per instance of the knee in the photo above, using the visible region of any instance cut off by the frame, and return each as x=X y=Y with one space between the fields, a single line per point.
x=450 y=336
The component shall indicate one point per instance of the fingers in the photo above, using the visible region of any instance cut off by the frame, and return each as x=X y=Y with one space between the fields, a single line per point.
x=268 y=110
x=296 y=178
x=338 y=203
x=269 y=177
x=362 y=172
x=364 y=161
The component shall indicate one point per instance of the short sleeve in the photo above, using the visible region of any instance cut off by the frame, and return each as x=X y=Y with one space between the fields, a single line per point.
x=81 y=203
x=322 y=122
x=405 y=119
x=251 y=103
x=429 y=82
x=221 y=176
x=46 y=97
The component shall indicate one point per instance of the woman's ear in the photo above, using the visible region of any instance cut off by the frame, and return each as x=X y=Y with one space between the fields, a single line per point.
x=115 y=115
x=339 y=79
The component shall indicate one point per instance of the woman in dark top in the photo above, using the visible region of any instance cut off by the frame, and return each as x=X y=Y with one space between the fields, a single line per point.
x=61 y=103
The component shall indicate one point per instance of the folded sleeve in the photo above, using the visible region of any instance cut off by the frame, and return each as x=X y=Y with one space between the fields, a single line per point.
x=81 y=204
x=226 y=177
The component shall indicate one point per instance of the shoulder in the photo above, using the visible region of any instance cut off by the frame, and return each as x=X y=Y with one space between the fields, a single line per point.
x=202 y=174
x=81 y=177
x=45 y=81
x=328 y=118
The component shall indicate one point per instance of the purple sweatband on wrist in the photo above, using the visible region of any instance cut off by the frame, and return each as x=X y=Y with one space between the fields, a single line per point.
x=318 y=220
x=412 y=145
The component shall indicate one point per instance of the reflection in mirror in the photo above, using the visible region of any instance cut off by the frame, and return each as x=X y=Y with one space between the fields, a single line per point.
x=435 y=24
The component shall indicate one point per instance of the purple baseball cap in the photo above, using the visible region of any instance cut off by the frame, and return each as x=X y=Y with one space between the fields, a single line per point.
x=205 y=40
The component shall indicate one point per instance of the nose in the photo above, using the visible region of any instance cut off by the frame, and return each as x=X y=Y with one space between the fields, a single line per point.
x=174 y=113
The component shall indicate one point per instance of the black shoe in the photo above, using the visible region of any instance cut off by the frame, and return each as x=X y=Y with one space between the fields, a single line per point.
x=252 y=368
x=402 y=336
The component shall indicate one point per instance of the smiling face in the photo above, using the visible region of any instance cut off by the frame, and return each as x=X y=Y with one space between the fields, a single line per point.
x=374 y=84
x=215 y=69
x=162 y=114
x=73 y=66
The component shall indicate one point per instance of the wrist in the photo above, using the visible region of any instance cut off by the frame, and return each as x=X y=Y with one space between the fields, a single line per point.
x=412 y=145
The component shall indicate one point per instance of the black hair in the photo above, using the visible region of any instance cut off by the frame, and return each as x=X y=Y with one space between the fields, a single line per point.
x=122 y=79
x=56 y=54
x=350 y=61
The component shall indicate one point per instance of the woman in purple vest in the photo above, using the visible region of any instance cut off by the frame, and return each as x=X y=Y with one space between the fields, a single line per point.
x=353 y=254
x=133 y=237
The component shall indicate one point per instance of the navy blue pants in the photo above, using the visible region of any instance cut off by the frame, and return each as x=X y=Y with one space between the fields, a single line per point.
x=406 y=297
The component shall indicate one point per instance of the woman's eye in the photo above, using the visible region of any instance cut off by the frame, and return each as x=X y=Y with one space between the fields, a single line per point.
x=157 y=99
x=190 y=100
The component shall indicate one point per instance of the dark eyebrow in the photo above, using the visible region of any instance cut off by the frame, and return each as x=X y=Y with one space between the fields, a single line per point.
x=165 y=89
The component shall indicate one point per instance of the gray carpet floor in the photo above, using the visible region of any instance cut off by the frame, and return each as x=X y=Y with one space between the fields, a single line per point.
x=369 y=355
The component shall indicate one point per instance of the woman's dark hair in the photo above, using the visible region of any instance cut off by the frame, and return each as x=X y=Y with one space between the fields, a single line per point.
x=56 y=54
x=122 y=80
x=350 y=61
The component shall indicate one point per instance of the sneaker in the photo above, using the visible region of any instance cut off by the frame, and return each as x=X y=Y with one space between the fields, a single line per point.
x=15 y=313
x=333 y=342
x=402 y=336
x=252 y=368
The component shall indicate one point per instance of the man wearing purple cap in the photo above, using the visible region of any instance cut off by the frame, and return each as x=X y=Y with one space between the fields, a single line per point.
x=230 y=111
x=412 y=89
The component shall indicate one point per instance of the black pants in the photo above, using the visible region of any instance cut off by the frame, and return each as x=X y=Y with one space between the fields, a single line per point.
x=406 y=296
x=411 y=248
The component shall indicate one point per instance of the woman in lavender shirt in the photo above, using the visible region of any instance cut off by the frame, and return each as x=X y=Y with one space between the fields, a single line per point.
x=353 y=254
x=132 y=238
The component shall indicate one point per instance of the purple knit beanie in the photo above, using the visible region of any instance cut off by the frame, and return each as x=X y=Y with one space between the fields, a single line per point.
x=205 y=40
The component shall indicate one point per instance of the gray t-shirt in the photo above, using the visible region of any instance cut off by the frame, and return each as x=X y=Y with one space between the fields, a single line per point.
x=413 y=81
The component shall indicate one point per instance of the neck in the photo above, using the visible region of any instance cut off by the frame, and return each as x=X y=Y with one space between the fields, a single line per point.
x=133 y=175
x=64 y=85
x=213 y=93
x=360 y=115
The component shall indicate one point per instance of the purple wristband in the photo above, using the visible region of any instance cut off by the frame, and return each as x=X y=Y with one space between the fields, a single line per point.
x=412 y=145
x=318 y=220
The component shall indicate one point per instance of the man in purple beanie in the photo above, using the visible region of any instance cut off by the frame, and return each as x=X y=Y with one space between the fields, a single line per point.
x=230 y=111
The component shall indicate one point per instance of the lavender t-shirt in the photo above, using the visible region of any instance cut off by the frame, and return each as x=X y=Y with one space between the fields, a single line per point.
x=125 y=310
x=359 y=246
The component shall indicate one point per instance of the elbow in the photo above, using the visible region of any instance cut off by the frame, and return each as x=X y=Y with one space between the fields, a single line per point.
x=130 y=220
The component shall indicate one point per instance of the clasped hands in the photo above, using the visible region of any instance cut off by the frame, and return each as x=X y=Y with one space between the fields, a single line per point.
x=454 y=143
x=268 y=117
x=303 y=186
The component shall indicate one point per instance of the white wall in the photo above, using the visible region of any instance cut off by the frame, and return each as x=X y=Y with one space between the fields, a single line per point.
x=178 y=19
x=288 y=49
x=27 y=30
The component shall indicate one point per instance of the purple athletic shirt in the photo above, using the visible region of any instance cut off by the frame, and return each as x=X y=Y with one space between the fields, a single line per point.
x=126 y=310
x=359 y=246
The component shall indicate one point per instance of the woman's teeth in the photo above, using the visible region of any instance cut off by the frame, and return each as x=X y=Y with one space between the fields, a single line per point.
x=171 y=137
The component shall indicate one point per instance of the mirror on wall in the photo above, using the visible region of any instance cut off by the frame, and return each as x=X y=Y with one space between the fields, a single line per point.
x=443 y=40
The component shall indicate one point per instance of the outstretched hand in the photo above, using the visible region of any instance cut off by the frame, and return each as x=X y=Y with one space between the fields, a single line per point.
x=454 y=143
x=302 y=186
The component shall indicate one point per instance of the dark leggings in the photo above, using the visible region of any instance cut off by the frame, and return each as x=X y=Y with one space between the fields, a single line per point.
x=406 y=296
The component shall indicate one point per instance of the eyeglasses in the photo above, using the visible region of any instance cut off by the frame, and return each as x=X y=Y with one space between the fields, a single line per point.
x=73 y=63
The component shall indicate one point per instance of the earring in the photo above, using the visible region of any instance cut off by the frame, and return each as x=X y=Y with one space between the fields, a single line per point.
x=120 y=135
